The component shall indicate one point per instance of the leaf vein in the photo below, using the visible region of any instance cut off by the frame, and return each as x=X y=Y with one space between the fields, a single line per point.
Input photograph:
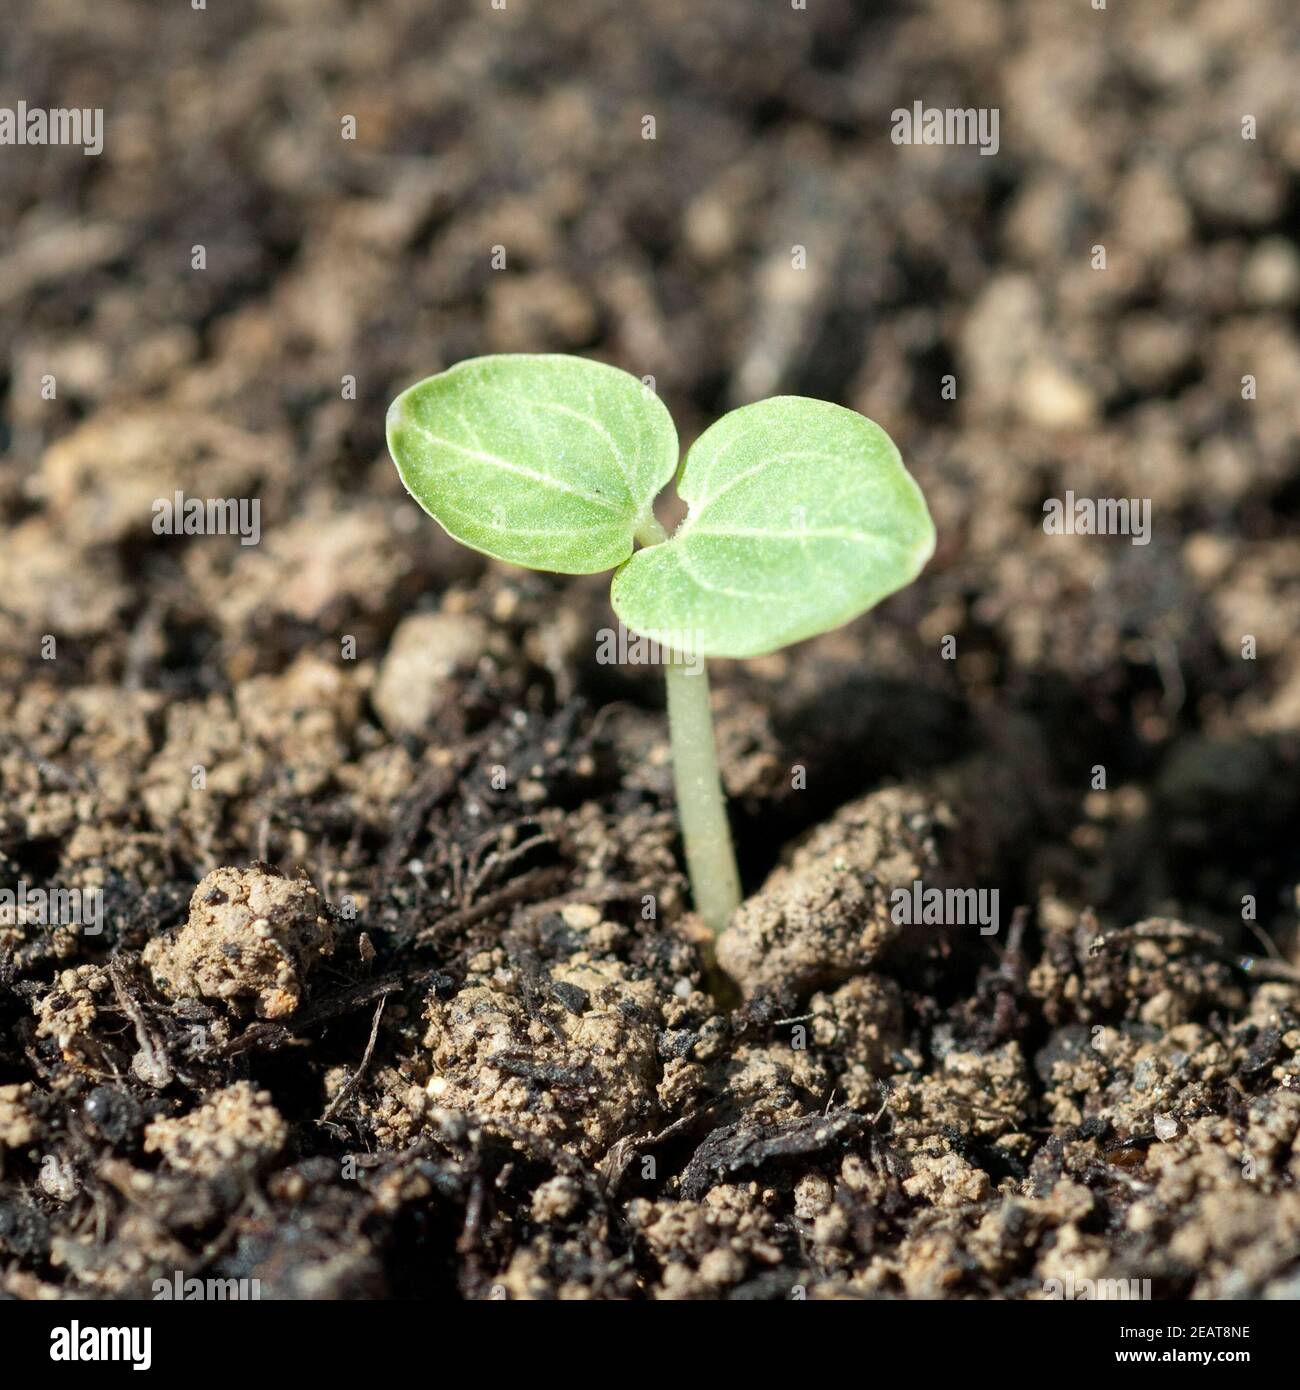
x=521 y=470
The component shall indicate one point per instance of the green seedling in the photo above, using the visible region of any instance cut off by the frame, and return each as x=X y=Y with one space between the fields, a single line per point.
x=801 y=516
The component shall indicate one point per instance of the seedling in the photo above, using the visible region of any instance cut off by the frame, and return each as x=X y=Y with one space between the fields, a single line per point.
x=801 y=516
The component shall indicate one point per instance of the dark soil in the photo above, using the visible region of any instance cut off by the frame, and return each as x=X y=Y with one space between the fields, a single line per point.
x=398 y=993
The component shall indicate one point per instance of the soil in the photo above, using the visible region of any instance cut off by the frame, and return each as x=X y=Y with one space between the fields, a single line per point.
x=398 y=993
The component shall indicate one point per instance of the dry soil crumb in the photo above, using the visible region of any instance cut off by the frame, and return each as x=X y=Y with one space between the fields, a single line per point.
x=250 y=935
x=702 y=1249
x=568 y=1053
x=18 y=1125
x=238 y=1128
x=826 y=915
x=426 y=651
x=69 y=1011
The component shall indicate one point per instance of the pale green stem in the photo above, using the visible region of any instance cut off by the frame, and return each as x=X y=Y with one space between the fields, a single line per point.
x=710 y=858
x=701 y=807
